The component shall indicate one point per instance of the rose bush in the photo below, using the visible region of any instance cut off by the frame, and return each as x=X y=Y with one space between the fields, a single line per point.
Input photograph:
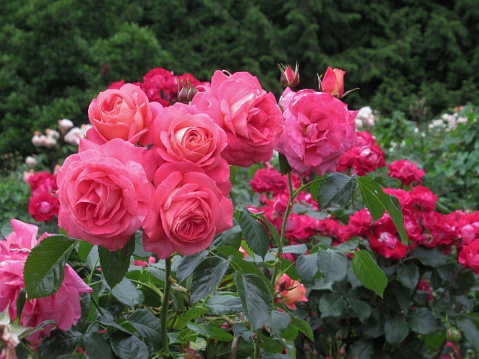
x=307 y=261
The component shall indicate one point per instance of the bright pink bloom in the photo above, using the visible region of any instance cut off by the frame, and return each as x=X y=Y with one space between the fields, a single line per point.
x=181 y=133
x=160 y=85
x=423 y=198
x=333 y=82
x=43 y=206
x=116 y=85
x=290 y=291
x=250 y=117
x=124 y=113
x=469 y=255
x=384 y=239
x=186 y=211
x=406 y=172
x=42 y=182
x=359 y=223
x=318 y=130
x=104 y=193
x=63 y=306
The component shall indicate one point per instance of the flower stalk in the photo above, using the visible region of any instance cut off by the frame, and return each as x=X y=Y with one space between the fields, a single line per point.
x=164 y=309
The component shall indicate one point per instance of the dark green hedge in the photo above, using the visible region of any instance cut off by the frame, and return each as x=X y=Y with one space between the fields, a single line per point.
x=410 y=55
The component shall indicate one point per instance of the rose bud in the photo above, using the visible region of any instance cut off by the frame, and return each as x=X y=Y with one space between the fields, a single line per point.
x=333 y=82
x=289 y=78
x=290 y=291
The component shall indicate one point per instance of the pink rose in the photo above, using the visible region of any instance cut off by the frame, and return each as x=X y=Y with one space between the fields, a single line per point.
x=318 y=130
x=43 y=206
x=63 y=306
x=182 y=134
x=384 y=239
x=104 y=192
x=333 y=82
x=469 y=256
x=405 y=171
x=42 y=182
x=250 y=117
x=123 y=113
x=290 y=291
x=186 y=211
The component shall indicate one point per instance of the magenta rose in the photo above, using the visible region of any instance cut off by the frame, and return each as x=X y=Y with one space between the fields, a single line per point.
x=182 y=134
x=63 y=306
x=124 y=113
x=186 y=211
x=104 y=193
x=250 y=117
x=469 y=256
x=43 y=206
x=319 y=128
x=405 y=171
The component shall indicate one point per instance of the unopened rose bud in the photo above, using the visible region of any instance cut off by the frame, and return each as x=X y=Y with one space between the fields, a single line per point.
x=453 y=335
x=289 y=78
x=65 y=124
x=333 y=82
x=290 y=291
x=31 y=161
x=186 y=91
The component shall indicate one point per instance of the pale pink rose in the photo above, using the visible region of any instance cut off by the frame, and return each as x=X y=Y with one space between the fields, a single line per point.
x=63 y=306
x=181 y=133
x=319 y=128
x=124 y=113
x=186 y=211
x=104 y=192
x=250 y=117
x=290 y=291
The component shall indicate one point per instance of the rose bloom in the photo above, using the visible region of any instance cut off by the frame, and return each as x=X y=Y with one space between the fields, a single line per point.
x=384 y=239
x=43 y=206
x=423 y=198
x=125 y=113
x=185 y=212
x=405 y=171
x=469 y=256
x=104 y=192
x=333 y=82
x=290 y=291
x=42 y=182
x=318 y=130
x=250 y=117
x=182 y=133
x=63 y=306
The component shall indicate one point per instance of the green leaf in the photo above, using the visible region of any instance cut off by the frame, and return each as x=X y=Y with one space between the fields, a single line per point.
x=377 y=202
x=332 y=305
x=336 y=190
x=115 y=264
x=368 y=272
x=188 y=265
x=59 y=343
x=207 y=276
x=333 y=265
x=278 y=322
x=470 y=330
x=298 y=249
x=210 y=332
x=408 y=274
x=232 y=237
x=361 y=308
x=147 y=325
x=284 y=166
x=97 y=347
x=127 y=293
x=429 y=256
x=128 y=347
x=249 y=267
x=303 y=327
x=422 y=321
x=307 y=267
x=256 y=298
x=223 y=304
x=45 y=265
x=84 y=249
x=253 y=232
x=396 y=330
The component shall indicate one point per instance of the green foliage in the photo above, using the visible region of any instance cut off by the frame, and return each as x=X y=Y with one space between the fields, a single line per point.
x=416 y=57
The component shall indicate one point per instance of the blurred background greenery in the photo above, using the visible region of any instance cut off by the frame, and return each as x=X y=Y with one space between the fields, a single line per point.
x=412 y=60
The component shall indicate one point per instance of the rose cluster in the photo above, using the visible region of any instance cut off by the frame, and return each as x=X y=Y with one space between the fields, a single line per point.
x=63 y=307
x=424 y=224
x=43 y=204
x=166 y=169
